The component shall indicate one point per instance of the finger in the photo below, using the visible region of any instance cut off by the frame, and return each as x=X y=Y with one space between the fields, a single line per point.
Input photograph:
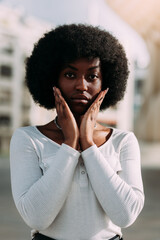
x=55 y=94
x=92 y=112
x=57 y=101
x=66 y=109
x=58 y=91
x=60 y=106
x=94 y=108
x=102 y=95
x=106 y=91
x=57 y=106
x=59 y=98
x=59 y=95
x=55 y=98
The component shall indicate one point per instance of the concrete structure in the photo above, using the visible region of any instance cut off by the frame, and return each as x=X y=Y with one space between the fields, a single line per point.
x=144 y=17
x=17 y=36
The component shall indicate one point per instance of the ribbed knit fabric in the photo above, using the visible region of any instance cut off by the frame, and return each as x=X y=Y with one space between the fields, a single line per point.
x=69 y=195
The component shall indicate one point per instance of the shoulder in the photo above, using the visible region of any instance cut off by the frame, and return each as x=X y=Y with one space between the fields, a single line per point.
x=122 y=135
x=121 y=139
x=23 y=135
x=23 y=131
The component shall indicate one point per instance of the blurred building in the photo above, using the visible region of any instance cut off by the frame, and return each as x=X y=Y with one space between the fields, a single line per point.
x=17 y=35
x=144 y=17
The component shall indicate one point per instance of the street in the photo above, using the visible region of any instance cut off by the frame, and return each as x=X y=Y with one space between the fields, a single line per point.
x=146 y=227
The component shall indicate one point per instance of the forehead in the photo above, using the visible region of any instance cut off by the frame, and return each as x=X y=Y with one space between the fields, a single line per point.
x=84 y=63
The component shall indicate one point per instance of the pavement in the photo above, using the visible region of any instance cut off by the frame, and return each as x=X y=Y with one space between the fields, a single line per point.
x=146 y=227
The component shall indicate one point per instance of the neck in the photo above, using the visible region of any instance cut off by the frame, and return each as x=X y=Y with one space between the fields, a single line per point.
x=78 y=119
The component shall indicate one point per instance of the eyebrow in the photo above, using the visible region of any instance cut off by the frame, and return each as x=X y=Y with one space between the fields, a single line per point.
x=74 y=68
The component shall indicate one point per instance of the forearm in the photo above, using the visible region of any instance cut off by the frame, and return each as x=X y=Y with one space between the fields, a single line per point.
x=39 y=197
x=122 y=201
x=86 y=143
x=72 y=142
x=42 y=202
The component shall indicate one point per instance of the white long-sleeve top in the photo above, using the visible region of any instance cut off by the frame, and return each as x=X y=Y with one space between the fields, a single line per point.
x=68 y=195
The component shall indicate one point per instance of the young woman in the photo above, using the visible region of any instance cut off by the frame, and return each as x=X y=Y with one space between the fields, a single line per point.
x=74 y=179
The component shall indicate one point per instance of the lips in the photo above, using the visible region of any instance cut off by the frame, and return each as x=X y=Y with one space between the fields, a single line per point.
x=80 y=99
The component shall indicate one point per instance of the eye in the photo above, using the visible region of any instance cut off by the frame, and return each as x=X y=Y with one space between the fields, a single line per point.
x=93 y=77
x=69 y=75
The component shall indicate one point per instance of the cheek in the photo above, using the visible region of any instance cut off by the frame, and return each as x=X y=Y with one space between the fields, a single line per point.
x=65 y=86
x=98 y=87
x=62 y=83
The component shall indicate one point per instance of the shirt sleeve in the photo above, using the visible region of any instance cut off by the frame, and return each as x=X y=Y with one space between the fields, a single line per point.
x=120 y=194
x=38 y=197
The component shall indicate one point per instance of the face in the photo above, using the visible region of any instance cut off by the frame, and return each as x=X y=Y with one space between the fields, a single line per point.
x=80 y=82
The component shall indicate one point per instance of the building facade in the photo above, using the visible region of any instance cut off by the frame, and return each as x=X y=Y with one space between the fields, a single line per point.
x=17 y=36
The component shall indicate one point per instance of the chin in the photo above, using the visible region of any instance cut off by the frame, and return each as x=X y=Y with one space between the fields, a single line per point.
x=79 y=110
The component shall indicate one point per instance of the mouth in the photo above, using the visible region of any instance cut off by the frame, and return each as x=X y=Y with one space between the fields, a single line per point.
x=80 y=99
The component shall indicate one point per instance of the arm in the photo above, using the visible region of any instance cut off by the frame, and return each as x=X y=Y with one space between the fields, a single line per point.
x=120 y=195
x=38 y=197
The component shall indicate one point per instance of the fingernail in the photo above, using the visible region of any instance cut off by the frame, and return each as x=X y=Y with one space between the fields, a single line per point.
x=107 y=90
x=54 y=92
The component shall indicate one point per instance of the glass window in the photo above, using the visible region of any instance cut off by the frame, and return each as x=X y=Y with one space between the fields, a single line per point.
x=7 y=50
x=5 y=71
x=5 y=96
x=5 y=120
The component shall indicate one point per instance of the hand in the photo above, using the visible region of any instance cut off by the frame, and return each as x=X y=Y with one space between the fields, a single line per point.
x=89 y=121
x=66 y=120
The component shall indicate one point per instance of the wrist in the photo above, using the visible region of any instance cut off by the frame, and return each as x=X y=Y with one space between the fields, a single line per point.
x=71 y=142
x=86 y=144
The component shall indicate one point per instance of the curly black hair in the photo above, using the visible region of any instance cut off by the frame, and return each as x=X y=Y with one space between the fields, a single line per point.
x=66 y=44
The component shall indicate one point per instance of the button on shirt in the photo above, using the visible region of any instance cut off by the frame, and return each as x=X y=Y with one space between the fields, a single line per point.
x=59 y=196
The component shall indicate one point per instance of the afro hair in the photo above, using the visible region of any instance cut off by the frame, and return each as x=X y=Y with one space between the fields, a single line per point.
x=66 y=44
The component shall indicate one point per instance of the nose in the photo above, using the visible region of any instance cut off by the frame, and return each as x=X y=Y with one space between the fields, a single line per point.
x=81 y=84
